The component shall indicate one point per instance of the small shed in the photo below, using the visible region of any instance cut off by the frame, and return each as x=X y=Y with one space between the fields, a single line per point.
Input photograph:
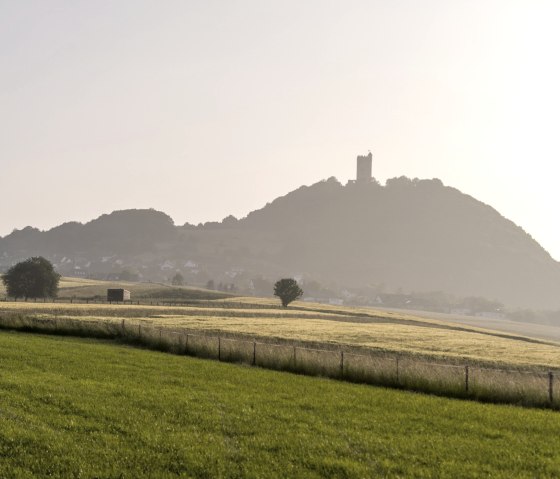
x=118 y=294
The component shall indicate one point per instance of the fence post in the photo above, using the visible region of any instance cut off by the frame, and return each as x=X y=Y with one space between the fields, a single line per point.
x=467 y=378
x=295 y=361
x=397 y=363
x=219 y=348
x=139 y=331
x=122 y=326
x=187 y=344
x=254 y=353
x=550 y=386
x=341 y=364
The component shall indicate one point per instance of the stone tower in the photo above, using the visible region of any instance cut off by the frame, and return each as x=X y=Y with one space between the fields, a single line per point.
x=363 y=169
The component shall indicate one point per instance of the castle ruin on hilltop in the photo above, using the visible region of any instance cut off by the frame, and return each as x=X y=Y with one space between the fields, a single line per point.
x=363 y=169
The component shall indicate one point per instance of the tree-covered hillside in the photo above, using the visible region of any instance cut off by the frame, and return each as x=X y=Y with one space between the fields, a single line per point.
x=409 y=235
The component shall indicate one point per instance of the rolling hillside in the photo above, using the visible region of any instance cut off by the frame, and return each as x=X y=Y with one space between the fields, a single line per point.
x=409 y=235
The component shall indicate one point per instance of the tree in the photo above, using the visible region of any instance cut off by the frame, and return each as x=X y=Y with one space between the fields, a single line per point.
x=33 y=278
x=178 y=279
x=287 y=290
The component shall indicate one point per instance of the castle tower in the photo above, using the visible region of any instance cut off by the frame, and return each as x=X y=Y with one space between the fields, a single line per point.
x=363 y=169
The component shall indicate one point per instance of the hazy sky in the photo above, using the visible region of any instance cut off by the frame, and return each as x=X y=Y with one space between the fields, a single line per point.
x=208 y=108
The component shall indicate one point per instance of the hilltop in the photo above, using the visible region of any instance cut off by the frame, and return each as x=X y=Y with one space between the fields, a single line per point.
x=409 y=235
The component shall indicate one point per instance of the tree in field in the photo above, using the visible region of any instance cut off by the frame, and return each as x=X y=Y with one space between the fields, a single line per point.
x=178 y=280
x=33 y=278
x=287 y=290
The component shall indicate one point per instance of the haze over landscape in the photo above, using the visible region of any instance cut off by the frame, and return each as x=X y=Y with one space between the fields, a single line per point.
x=206 y=109
x=409 y=236
x=243 y=238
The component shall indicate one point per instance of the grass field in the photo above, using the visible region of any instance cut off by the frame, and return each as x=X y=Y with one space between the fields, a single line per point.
x=356 y=344
x=262 y=318
x=80 y=288
x=87 y=408
x=380 y=331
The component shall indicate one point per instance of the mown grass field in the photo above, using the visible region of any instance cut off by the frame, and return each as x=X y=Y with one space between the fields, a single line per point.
x=87 y=408
x=380 y=331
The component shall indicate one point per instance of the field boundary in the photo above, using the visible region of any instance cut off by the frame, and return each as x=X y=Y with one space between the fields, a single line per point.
x=144 y=301
x=453 y=379
x=336 y=314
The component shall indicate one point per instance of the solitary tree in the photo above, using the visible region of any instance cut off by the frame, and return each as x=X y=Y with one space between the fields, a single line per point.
x=33 y=278
x=178 y=279
x=287 y=290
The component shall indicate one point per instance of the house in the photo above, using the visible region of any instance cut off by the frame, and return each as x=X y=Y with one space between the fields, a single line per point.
x=118 y=294
x=167 y=265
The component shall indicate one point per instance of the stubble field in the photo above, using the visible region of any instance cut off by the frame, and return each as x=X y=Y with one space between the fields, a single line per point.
x=358 y=328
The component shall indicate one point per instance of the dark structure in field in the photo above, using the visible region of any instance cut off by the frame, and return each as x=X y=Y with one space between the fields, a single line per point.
x=363 y=168
x=118 y=294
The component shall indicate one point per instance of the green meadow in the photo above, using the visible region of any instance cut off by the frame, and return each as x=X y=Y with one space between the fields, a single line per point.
x=75 y=407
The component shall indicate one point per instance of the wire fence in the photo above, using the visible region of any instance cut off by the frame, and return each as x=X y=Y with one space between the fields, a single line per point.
x=531 y=388
x=147 y=301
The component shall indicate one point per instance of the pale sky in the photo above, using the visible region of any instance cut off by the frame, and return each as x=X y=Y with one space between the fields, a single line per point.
x=208 y=108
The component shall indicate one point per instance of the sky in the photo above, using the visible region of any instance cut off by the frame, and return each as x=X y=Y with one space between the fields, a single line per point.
x=208 y=108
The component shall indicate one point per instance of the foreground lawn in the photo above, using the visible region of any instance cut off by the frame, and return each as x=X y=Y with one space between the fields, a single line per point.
x=86 y=408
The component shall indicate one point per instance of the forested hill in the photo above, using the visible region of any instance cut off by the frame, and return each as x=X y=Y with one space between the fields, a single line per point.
x=410 y=235
x=414 y=234
x=125 y=233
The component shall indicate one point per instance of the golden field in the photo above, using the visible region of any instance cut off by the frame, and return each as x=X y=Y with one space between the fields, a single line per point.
x=261 y=318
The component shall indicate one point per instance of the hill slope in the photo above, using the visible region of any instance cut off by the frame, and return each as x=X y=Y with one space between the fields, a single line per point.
x=418 y=235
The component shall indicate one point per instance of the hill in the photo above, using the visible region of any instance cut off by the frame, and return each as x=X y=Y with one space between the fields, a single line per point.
x=358 y=241
x=417 y=235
